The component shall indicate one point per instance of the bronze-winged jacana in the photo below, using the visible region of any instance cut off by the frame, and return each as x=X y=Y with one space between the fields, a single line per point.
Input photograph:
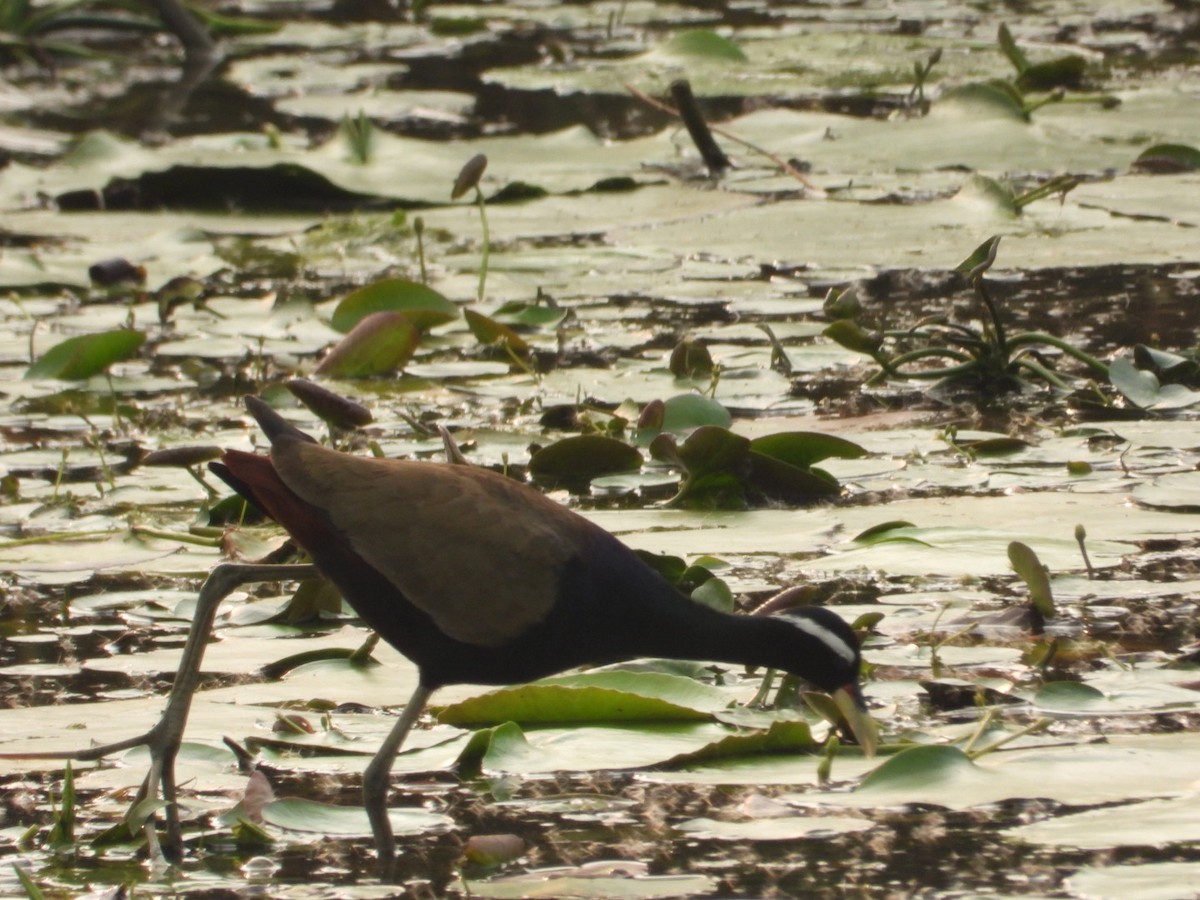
x=480 y=579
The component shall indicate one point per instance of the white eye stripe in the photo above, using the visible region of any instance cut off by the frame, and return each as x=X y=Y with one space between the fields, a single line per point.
x=825 y=636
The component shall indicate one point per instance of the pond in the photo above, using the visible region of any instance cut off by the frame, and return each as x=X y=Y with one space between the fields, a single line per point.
x=922 y=351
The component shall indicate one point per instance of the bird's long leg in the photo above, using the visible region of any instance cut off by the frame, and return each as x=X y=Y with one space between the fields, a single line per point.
x=375 y=778
x=164 y=738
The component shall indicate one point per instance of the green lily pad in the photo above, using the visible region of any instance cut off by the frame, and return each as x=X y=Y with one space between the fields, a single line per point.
x=592 y=697
x=82 y=357
x=423 y=306
x=583 y=457
x=295 y=814
x=379 y=344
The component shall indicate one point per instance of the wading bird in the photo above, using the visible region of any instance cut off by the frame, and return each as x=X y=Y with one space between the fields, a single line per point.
x=479 y=579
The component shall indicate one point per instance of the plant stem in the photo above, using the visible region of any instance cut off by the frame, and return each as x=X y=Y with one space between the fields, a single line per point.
x=1042 y=372
x=1037 y=337
x=892 y=366
x=997 y=326
x=419 y=228
x=1033 y=728
x=487 y=241
x=181 y=537
x=57 y=538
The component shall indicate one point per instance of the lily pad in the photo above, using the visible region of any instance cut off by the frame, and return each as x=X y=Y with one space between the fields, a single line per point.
x=82 y=357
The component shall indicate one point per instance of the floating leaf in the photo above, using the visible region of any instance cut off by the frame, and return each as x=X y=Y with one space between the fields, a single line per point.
x=1142 y=881
x=1068 y=696
x=997 y=195
x=780 y=828
x=987 y=98
x=712 y=449
x=999 y=446
x=530 y=315
x=790 y=484
x=1035 y=575
x=1061 y=72
x=583 y=457
x=378 y=345
x=600 y=880
x=423 y=306
x=700 y=43
x=882 y=532
x=684 y=412
x=1168 y=159
x=1143 y=390
x=714 y=592
x=614 y=696
x=803 y=449
x=779 y=737
x=82 y=357
x=294 y=814
x=489 y=331
x=918 y=767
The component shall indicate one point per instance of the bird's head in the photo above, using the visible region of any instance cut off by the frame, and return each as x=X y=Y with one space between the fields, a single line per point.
x=833 y=662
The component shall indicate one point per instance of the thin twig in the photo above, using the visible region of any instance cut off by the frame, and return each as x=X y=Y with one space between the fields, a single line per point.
x=786 y=167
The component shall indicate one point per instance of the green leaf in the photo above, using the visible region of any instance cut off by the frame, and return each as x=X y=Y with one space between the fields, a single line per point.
x=82 y=357
x=779 y=737
x=881 y=532
x=712 y=449
x=684 y=412
x=492 y=748
x=1068 y=696
x=1010 y=49
x=849 y=334
x=702 y=44
x=598 y=880
x=489 y=331
x=613 y=696
x=989 y=192
x=62 y=832
x=1027 y=565
x=981 y=258
x=423 y=306
x=1061 y=72
x=804 y=449
x=1168 y=159
x=295 y=814
x=999 y=446
x=1143 y=389
x=32 y=891
x=378 y=345
x=530 y=315
x=714 y=592
x=918 y=767
x=584 y=457
x=986 y=98
x=791 y=484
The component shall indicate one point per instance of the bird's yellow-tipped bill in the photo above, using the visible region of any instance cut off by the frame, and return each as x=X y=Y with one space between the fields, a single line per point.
x=849 y=704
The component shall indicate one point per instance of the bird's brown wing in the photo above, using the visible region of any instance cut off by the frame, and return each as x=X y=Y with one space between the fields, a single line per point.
x=479 y=553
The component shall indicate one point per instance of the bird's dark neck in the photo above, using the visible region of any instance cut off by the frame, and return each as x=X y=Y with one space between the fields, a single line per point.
x=639 y=614
x=680 y=628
